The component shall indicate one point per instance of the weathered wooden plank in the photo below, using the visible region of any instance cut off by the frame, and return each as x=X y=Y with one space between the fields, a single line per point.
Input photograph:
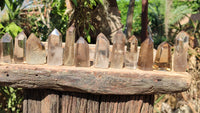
x=93 y=80
x=50 y=102
x=34 y=101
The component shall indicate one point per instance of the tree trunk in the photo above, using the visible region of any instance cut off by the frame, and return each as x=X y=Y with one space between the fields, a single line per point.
x=129 y=20
x=144 y=33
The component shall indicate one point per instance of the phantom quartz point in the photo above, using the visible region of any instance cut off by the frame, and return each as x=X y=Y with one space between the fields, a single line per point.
x=163 y=57
x=20 y=48
x=82 y=53
x=102 y=52
x=131 y=53
x=117 y=55
x=6 y=48
x=55 y=50
x=145 y=61
x=35 y=51
x=180 y=52
x=69 y=47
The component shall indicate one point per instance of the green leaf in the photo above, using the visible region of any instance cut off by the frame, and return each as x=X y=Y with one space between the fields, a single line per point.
x=13 y=29
x=75 y=2
x=89 y=39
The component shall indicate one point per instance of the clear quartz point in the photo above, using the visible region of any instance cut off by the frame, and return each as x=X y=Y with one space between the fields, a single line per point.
x=35 y=51
x=82 y=53
x=131 y=53
x=20 y=48
x=6 y=49
x=69 y=57
x=180 y=52
x=55 y=50
x=117 y=55
x=145 y=61
x=163 y=57
x=102 y=52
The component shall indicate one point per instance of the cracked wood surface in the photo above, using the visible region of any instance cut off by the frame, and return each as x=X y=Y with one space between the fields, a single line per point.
x=93 y=80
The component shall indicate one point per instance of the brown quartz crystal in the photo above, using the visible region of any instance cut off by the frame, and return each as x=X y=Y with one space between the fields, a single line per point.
x=69 y=47
x=82 y=53
x=163 y=57
x=145 y=60
x=20 y=48
x=55 y=50
x=101 y=59
x=117 y=55
x=180 y=52
x=35 y=51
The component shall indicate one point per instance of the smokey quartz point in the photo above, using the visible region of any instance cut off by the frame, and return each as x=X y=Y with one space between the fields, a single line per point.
x=20 y=48
x=131 y=53
x=55 y=50
x=6 y=49
x=180 y=52
x=145 y=61
x=117 y=55
x=69 y=47
x=163 y=57
x=35 y=51
x=82 y=53
x=102 y=52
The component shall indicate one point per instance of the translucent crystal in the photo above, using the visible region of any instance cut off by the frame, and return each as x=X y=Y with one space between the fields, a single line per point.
x=131 y=53
x=180 y=52
x=69 y=46
x=145 y=61
x=102 y=52
x=55 y=50
x=7 y=49
x=163 y=57
x=35 y=51
x=117 y=55
x=82 y=53
x=20 y=48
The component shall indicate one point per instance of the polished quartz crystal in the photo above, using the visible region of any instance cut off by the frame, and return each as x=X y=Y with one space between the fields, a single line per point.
x=117 y=55
x=145 y=61
x=55 y=50
x=163 y=57
x=69 y=47
x=131 y=53
x=35 y=51
x=82 y=53
x=102 y=52
x=180 y=52
x=7 y=49
x=20 y=48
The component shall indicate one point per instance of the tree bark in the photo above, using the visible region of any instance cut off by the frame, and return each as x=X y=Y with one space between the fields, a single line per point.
x=129 y=20
x=144 y=33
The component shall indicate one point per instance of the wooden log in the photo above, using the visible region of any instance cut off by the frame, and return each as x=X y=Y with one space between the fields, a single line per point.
x=92 y=80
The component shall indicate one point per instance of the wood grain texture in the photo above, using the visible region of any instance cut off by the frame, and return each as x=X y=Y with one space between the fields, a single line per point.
x=92 y=80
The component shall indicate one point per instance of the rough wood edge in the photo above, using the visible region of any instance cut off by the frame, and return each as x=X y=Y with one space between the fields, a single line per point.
x=93 y=80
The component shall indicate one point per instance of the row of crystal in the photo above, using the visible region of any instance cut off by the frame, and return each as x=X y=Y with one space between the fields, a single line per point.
x=33 y=51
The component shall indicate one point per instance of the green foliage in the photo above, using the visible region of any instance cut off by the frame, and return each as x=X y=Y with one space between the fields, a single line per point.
x=178 y=13
x=13 y=8
x=11 y=28
x=82 y=17
x=13 y=99
x=123 y=7
x=58 y=19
